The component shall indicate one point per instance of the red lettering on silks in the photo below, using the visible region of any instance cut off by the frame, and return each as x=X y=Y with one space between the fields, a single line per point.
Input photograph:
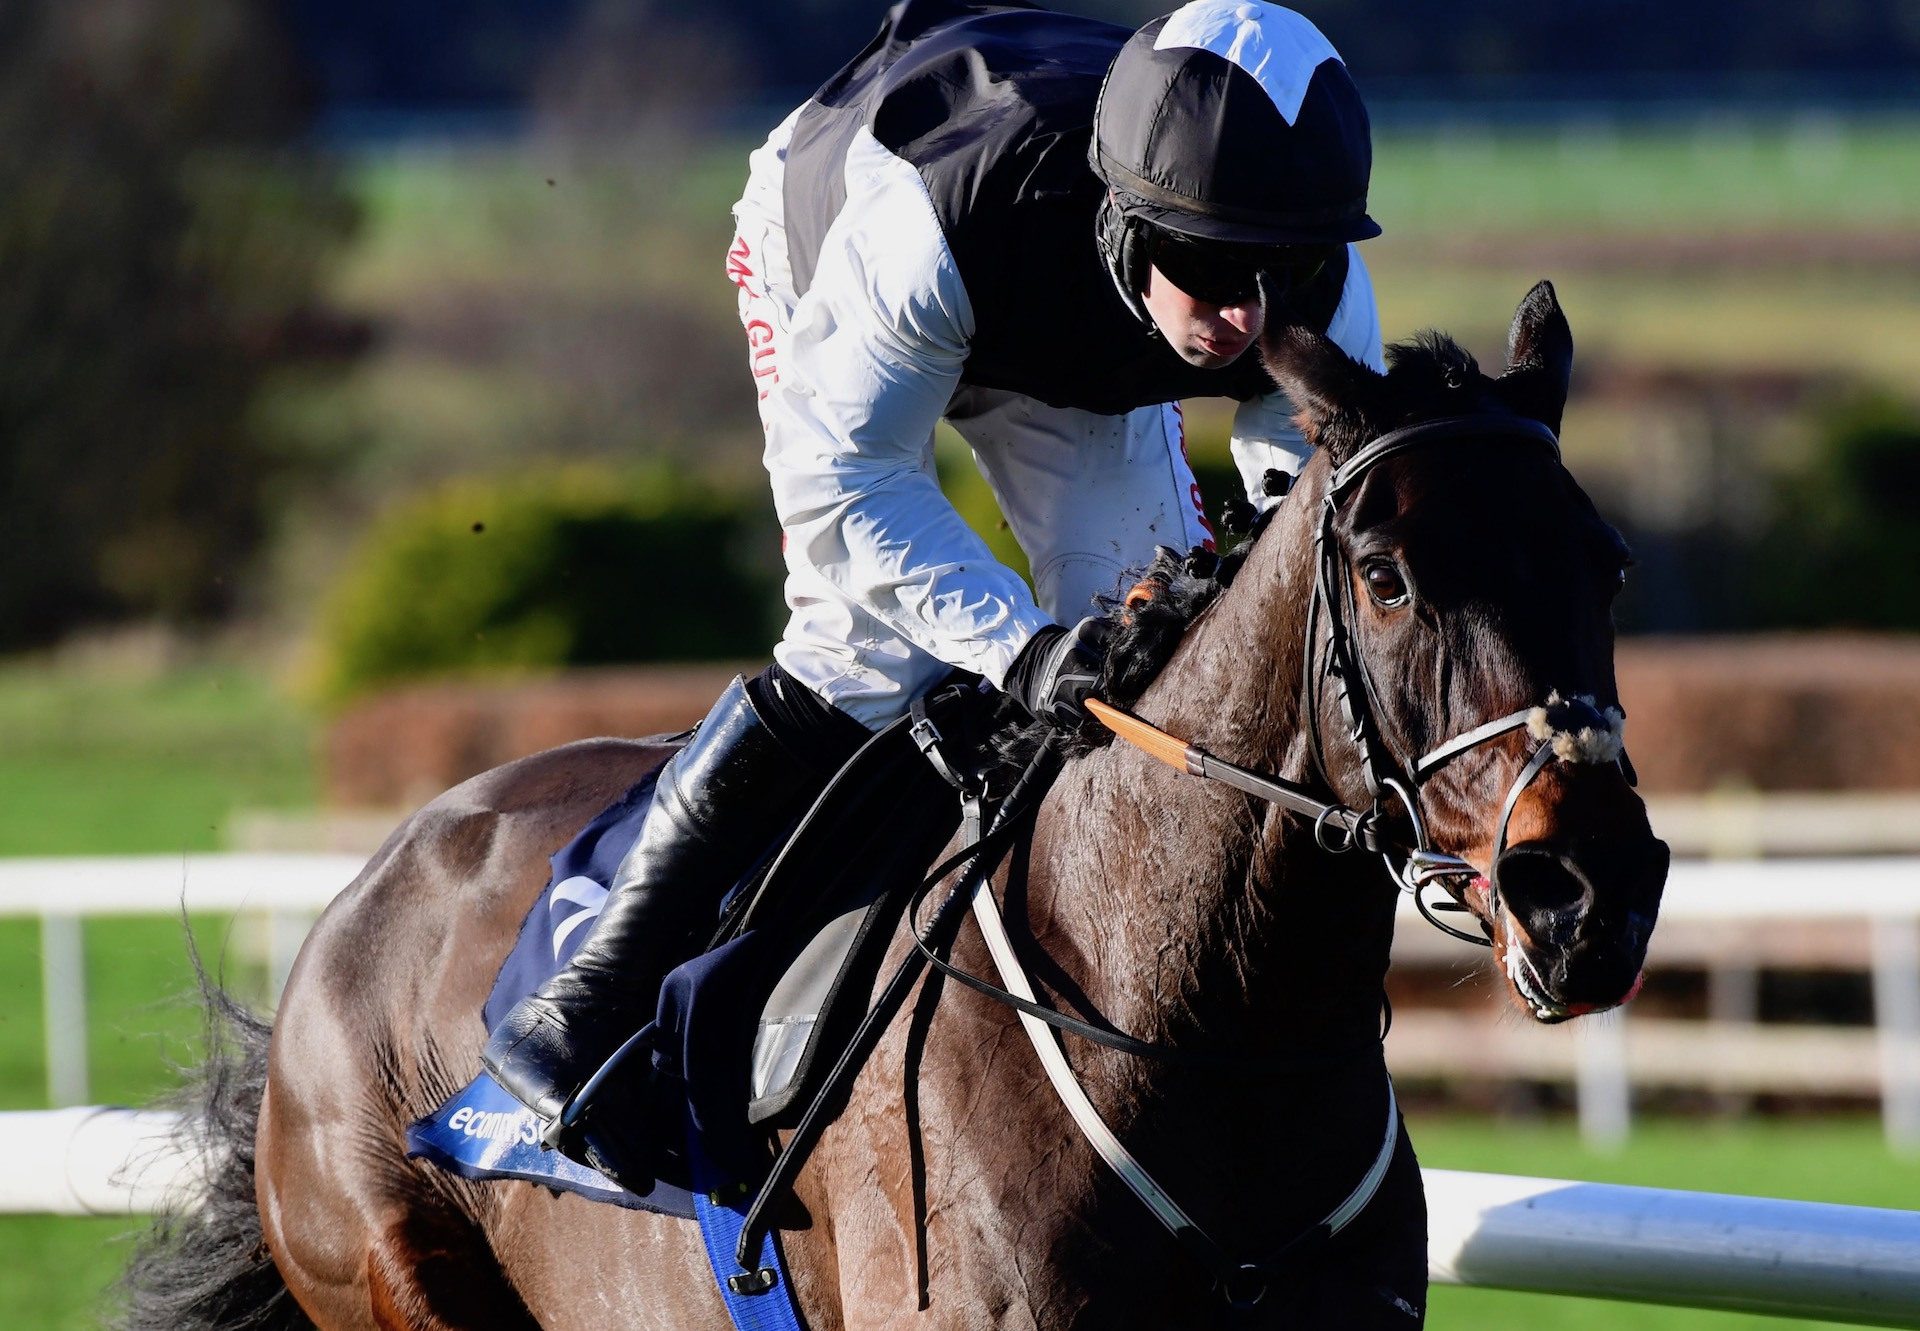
x=764 y=362
x=1200 y=512
x=737 y=256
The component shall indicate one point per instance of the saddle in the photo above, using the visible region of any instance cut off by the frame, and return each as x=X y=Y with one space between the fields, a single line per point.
x=747 y=1031
x=751 y=1027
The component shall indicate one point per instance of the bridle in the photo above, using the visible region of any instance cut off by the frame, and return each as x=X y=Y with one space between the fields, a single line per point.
x=1338 y=828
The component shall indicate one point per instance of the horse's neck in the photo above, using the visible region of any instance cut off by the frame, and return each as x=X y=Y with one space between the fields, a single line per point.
x=1200 y=915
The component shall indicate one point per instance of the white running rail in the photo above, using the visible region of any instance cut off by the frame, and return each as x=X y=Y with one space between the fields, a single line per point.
x=1853 y=1264
x=290 y=888
x=96 y=1160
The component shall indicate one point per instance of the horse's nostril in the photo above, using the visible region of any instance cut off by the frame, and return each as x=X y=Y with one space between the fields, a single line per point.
x=1535 y=883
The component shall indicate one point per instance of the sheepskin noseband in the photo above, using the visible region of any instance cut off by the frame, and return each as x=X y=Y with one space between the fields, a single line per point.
x=1579 y=730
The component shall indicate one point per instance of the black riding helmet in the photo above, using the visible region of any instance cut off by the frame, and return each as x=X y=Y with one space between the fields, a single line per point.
x=1231 y=140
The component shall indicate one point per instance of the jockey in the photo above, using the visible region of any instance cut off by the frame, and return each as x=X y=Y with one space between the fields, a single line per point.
x=1047 y=231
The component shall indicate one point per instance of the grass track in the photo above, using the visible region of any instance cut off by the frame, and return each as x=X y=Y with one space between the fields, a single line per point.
x=103 y=762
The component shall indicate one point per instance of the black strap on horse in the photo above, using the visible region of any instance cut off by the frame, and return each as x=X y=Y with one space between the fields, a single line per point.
x=982 y=857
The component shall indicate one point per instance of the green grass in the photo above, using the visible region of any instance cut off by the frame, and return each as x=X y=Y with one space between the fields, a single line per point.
x=109 y=761
x=54 y=1273
x=143 y=1023
x=100 y=762
x=1592 y=178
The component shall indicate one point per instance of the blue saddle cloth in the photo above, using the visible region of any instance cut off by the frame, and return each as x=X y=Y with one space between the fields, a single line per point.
x=703 y=1026
x=483 y=1132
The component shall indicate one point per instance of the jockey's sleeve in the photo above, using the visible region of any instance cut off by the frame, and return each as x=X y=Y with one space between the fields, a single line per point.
x=874 y=355
x=1264 y=435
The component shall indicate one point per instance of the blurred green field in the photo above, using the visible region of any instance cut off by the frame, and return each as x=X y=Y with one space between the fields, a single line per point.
x=1726 y=176
x=207 y=741
x=103 y=759
x=508 y=282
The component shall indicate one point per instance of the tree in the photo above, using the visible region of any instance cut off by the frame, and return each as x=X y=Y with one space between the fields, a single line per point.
x=162 y=244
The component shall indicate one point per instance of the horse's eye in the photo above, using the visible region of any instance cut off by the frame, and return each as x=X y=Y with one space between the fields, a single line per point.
x=1385 y=584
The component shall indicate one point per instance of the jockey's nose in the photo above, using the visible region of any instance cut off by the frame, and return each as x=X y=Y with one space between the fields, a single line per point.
x=1244 y=317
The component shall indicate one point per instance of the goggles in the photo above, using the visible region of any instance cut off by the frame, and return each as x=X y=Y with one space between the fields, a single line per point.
x=1218 y=274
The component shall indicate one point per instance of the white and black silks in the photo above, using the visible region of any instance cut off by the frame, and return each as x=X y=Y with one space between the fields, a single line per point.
x=918 y=241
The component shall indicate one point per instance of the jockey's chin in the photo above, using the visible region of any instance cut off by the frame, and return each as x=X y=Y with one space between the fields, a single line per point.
x=1204 y=335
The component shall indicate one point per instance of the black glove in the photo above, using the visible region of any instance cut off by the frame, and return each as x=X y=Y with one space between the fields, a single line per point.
x=1058 y=670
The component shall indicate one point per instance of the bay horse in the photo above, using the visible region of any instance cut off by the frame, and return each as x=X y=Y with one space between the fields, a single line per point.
x=1473 y=578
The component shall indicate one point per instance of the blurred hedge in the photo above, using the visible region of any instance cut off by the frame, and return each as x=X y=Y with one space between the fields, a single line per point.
x=578 y=566
x=1844 y=548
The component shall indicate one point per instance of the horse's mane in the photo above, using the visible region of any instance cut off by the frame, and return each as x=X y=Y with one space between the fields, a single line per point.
x=1144 y=626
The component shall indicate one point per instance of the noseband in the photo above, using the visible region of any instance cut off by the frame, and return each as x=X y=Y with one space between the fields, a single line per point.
x=1573 y=730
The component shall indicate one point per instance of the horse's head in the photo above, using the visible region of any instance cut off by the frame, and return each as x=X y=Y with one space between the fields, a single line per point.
x=1473 y=581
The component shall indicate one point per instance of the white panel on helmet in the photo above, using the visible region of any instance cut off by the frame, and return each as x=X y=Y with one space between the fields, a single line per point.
x=1280 y=48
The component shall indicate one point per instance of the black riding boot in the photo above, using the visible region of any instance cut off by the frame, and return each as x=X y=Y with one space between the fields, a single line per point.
x=716 y=808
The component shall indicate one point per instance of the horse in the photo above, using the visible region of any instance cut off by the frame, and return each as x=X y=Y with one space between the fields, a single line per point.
x=1463 y=578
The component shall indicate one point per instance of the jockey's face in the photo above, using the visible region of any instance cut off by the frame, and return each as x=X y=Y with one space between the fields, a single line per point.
x=1203 y=333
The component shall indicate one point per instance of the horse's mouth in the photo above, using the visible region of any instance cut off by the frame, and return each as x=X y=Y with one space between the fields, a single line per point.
x=1515 y=961
x=1525 y=978
x=1513 y=955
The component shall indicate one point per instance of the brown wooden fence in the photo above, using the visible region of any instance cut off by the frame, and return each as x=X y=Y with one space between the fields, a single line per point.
x=1816 y=712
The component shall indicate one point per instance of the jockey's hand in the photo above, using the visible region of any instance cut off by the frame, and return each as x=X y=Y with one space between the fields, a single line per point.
x=1058 y=670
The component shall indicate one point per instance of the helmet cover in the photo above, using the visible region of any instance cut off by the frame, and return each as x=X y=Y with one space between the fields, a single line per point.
x=1236 y=121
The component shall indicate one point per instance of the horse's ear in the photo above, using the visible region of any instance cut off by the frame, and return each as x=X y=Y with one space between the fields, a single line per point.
x=1337 y=397
x=1539 y=359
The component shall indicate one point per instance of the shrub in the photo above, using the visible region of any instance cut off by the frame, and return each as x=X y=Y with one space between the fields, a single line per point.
x=572 y=567
x=1847 y=540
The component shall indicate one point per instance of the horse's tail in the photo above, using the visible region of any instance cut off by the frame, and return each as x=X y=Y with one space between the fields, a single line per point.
x=208 y=1269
